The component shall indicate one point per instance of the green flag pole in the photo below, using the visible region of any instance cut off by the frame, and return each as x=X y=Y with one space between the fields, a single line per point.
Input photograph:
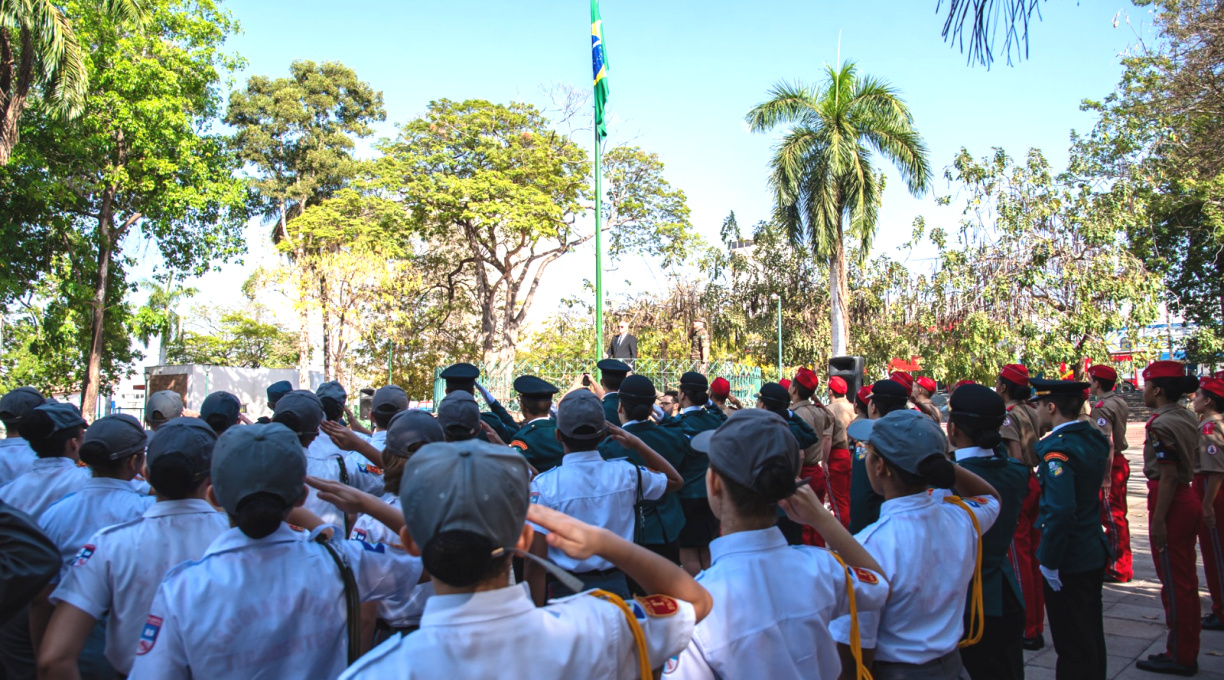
x=599 y=298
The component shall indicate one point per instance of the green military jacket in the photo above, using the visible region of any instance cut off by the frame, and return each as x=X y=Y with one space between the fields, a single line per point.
x=663 y=518
x=499 y=419
x=538 y=442
x=1010 y=478
x=864 y=501
x=1071 y=465
x=611 y=402
x=694 y=471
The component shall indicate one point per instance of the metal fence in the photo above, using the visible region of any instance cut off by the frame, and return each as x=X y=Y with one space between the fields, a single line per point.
x=665 y=374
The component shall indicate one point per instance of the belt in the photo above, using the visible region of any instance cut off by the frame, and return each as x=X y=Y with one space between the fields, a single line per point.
x=938 y=661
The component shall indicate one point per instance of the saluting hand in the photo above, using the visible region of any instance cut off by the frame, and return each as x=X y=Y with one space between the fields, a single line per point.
x=344 y=497
x=804 y=507
x=625 y=438
x=573 y=537
x=491 y=434
x=344 y=438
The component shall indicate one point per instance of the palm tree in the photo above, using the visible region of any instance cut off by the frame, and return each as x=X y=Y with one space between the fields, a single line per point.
x=159 y=316
x=821 y=173
x=39 y=50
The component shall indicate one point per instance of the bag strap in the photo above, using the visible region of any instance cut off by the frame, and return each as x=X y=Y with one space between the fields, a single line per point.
x=352 y=598
x=639 y=637
x=977 y=618
x=856 y=643
x=639 y=510
x=344 y=476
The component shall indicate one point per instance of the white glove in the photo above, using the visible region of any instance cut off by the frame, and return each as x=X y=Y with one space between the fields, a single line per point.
x=1051 y=577
x=657 y=411
x=485 y=393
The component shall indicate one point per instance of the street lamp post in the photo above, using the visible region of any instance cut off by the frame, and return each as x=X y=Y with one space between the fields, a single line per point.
x=778 y=299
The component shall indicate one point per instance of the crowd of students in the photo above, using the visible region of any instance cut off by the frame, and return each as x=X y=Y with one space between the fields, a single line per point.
x=615 y=532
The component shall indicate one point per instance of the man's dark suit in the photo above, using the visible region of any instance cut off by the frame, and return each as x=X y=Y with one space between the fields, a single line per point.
x=623 y=347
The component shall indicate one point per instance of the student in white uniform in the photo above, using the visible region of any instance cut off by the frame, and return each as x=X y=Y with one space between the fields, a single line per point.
x=16 y=456
x=263 y=601
x=599 y=492
x=54 y=431
x=464 y=508
x=162 y=407
x=222 y=410
x=116 y=574
x=301 y=411
x=407 y=432
x=773 y=603
x=388 y=401
x=926 y=548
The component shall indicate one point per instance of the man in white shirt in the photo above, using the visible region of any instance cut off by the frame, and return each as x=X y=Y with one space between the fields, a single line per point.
x=16 y=456
x=388 y=401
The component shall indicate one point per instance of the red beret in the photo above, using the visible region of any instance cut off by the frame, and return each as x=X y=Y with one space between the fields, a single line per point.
x=906 y=380
x=1212 y=385
x=785 y=383
x=864 y=394
x=1103 y=372
x=807 y=377
x=720 y=387
x=837 y=385
x=928 y=384
x=1015 y=373
x=962 y=383
x=1164 y=369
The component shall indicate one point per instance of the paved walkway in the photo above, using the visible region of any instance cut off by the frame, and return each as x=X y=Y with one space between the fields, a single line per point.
x=1134 y=619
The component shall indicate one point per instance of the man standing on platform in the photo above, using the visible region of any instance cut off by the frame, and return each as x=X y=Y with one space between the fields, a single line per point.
x=1109 y=414
x=623 y=345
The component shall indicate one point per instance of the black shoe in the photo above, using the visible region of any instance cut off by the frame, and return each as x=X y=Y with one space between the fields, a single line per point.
x=1034 y=643
x=1212 y=622
x=1160 y=663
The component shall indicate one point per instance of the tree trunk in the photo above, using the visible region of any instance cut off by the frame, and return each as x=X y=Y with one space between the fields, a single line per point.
x=161 y=350
x=97 y=305
x=325 y=311
x=839 y=318
x=14 y=93
x=303 y=327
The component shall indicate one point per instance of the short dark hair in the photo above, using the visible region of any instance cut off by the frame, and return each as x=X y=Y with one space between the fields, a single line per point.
x=803 y=391
x=1217 y=402
x=382 y=419
x=581 y=443
x=1104 y=383
x=535 y=405
x=886 y=404
x=774 y=475
x=1176 y=387
x=695 y=394
x=612 y=379
x=1068 y=405
x=1015 y=391
x=461 y=558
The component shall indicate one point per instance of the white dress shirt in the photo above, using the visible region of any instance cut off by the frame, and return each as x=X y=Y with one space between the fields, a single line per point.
x=16 y=459
x=399 y=610
x=927 y=549
x=379 y=440
x=599 y=492
x=262 y=608
x=119 y=569
x=502 y=634
x=101 y=502
x=48 y=480
x=772 y=607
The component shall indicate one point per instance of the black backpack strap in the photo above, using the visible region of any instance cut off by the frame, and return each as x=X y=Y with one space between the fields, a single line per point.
x=352 y=598
x=344 y=477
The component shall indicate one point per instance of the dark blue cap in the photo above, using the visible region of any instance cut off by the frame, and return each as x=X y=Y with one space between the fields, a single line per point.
x=332 y=390
x=277 y=390
x=533 y=387
x=613 y=366
x=460 y=376
x=222 y=403
x=306 y=409
x=18 y=403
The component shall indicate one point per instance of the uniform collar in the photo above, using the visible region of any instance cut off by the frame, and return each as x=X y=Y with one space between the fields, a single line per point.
x=536 y=420
x=9 y=442
x=234 y=539
x=185 y=506
x=108 y=483
x=610 y=393
x=1170 y=407
x=747 y=542
x=973 y=452
x=690 y=409
x=904 y=504
x=467 y=608
x=1060 y=426
x=633 y=423
x=581 y=457
x=55 y=462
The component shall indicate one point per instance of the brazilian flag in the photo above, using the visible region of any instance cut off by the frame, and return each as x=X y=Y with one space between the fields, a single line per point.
x=599 y=67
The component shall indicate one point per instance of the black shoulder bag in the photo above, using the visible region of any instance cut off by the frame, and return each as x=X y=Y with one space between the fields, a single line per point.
x=352 y=598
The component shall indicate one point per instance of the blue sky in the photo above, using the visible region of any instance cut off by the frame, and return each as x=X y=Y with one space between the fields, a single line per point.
x=684 y=73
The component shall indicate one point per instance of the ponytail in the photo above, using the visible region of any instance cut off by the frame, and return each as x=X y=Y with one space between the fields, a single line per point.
x=1174 y=388
x=258 y=515
x=172 y=477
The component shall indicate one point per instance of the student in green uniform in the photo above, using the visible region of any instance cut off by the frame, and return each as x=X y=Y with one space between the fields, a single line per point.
x=700 y=524
x=462 y=377
x=885 y=397
x=660 y=522
x=976 y=413
x=537 y=439
x=1073 y=551
x=611 y=374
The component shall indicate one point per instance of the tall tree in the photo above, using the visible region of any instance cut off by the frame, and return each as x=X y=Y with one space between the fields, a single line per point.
x=244 y=337
x=41 y=55
x=826 y=188
x=159 y=316
x=497 y=190
x=138 y=161
x=299 y=133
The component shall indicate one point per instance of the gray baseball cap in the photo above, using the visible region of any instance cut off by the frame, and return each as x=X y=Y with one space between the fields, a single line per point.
x=113 y=437
x=580 y=415
x=258 y=459
x=221 y=403
x=303 y=407
x=458 y=414
x=390 y=399
x=408 y=428
x=904 y=438
x=746 y=441
x=466 y=486
x=332 y=390
x=60 y=417
x=18 y=403
x=163 y=406
x=190 y=438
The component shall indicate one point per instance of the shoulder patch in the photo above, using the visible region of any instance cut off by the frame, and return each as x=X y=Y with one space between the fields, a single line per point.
x=535 y=497
x=369 y=469
x=1007 y=421
x=1212 y=449
x=1102 y=422
x=866 y=576
x=1208 y=427
x=1054 y=455
x=659 y=606
x=1056 y=468
x=148 y=635
x=519 y=444
x=82 y=557
x=1099 y=404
